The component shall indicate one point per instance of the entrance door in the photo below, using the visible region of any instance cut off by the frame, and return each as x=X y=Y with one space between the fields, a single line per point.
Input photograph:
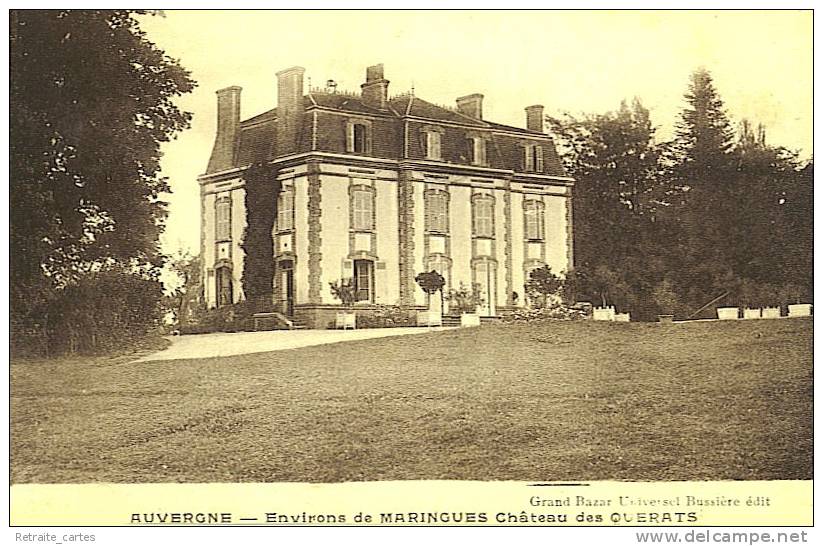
x=485 y=278
x=287 y=289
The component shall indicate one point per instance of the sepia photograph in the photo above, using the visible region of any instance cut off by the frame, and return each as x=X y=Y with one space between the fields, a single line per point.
x=395 y=249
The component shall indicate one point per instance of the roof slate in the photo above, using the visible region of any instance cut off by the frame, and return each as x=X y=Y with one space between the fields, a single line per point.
x=257 y=134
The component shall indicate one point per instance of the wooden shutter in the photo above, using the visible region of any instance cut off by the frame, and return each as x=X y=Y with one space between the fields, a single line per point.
x=538 y=158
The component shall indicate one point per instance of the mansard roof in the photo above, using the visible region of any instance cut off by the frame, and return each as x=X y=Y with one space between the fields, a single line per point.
x=257 y=134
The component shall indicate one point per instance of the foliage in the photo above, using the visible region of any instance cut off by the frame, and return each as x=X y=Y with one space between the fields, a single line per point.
x=555 y=310
x=463 y=300
x=386 y=316
x=344 y=291
x=543 y=285
x=430 y=282
x=227 y=318
x=91 y=99
x=262 y=189
x=100 y=311
x=183 y=298
x=705 y=212
x=665 y=297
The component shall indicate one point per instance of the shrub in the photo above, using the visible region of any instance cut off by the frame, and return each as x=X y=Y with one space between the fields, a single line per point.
x=344 y=291
x=104 y=310
x=464 y=300
x=552 y=311
x=386 y=316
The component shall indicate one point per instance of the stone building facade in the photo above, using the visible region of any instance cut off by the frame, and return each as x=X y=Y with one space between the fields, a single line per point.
x=377 y=189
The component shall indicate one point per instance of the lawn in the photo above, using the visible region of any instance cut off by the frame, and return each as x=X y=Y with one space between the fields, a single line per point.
x=558 y=401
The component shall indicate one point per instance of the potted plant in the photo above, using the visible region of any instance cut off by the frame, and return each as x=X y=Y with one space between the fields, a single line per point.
x=604 y=282
x=345 y=291
x=431 y=283
x=792 y=294
x=466 y=302
x=666 y=300
x=750 y=296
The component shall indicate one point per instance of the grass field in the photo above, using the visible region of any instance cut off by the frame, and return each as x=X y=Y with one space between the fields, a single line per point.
x=563 y=401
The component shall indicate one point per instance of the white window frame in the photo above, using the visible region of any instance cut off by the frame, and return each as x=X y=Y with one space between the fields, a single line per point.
x=222 y=219
x=483 y=224
x=533 y=220
x=437 y=203
x=362 y=209
x=285 y=214
x=434 y=145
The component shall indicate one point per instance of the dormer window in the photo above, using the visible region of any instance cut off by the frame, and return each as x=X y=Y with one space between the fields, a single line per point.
x=477 y=150
x=533 y=158
x=431 y=139
x=358 y=137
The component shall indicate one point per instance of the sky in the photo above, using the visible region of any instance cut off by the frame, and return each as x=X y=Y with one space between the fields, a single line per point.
x=569 y=61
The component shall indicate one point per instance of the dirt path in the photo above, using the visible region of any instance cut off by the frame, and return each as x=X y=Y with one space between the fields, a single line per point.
x=240 y=343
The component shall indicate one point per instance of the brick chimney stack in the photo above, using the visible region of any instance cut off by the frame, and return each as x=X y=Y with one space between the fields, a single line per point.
x=289 y=109
x=534 y=118
x=471 y=105
x=375 y=91
x=228 y=124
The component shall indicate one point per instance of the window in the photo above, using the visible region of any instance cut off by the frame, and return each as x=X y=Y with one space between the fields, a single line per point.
x=224 y=286
x=285 y=210
x=433 y=140
x=477 y=151
x=437 y=212
x=533 y=160
x=484 y=216
x=358 y=138
x=533 y=219
x=363 y=280
x=222 y=215
x=362 y=209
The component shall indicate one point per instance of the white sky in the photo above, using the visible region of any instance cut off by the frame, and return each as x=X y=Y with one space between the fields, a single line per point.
x=576 y=61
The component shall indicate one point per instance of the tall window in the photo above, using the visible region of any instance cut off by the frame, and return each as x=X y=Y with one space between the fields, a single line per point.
x=477 y=150
x=533 y=158
x=362 y=209
x=224 y=286
x=484 y=216
x=533 y=219
x=222 y=214
x=433 y=140
x=437 y=212
x=285 y=210
x=363 y=280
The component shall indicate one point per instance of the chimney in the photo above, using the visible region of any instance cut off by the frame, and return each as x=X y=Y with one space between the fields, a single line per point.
x=534 y=118
x=228 y=124
x=289 y=109
x=375 y=91
x=471 y=105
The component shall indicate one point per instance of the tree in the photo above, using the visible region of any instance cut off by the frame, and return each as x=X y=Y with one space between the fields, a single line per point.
x=431 y=282
x=91 y=99
x=543 y=284
x=621 y=196
x=182 y=298
x=262 y=189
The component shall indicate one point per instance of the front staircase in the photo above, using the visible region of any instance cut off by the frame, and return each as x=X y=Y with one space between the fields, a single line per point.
x=276 y=321
x=453 y=321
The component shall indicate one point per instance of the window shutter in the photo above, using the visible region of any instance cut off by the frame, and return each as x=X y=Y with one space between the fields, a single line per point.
x=470 y=148
x=367 y=139
x=538 y=156
x=349 y=136
x=428 y=211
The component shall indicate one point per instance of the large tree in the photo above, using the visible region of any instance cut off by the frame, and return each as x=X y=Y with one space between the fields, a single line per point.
x=619 y=191
x=91 y=100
